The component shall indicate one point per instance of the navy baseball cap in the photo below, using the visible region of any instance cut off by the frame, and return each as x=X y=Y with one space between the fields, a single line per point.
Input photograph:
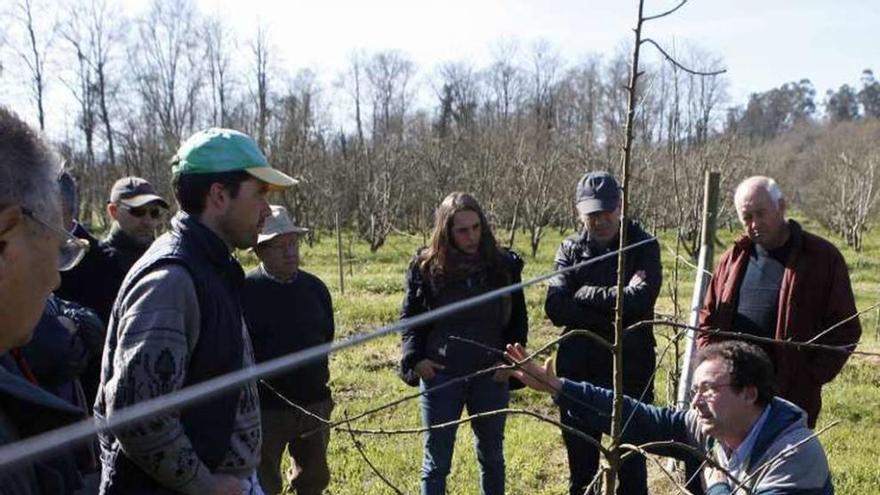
x=597 y=191
x=135 y=192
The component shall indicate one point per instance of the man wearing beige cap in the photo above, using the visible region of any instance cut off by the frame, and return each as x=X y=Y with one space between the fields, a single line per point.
x=289 y=310
x=178 y=321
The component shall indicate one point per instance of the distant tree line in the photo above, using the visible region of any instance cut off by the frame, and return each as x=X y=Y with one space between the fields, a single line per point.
x=516 y=132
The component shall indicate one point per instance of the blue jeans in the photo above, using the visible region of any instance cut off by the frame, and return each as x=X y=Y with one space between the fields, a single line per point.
x=479 y=394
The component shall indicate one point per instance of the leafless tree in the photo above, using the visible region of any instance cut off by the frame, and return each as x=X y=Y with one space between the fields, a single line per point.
x=389 y=75
x=543 y=177
x=505 y=84
x=843 y=191
x=218 y=50
x=458 y=96
x=260 y=89
x=352 y=82
x=167 y=65
x=38 y=32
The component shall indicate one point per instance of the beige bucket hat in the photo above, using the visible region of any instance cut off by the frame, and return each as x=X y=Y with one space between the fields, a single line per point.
x=279 y=222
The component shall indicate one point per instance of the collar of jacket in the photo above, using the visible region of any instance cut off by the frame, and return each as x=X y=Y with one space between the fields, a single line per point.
x=22 y=390
x=591 y=247
x=783 y=415
x=119 y=240
x=208 y=243
x=797 y=239
x=81 y=232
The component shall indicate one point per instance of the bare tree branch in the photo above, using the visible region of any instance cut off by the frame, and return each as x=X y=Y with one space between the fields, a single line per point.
x=841 y=322
x=679 y=65
x=848 y=349
x=294 y=405
x=664 y=14
x=769 y=464
x=360 y=449
x=640 y=450
x=467 y=419
x=687 y=261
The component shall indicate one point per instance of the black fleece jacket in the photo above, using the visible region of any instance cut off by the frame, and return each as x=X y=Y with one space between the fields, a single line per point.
x=585 y=299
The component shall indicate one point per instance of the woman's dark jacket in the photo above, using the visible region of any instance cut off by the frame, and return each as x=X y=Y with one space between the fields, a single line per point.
x=493 y=324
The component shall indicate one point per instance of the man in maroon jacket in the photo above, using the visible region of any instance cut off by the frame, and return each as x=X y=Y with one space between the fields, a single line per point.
x=781 y=282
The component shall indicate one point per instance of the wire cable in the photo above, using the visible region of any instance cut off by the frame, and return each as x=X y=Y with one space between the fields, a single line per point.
x=12 y=454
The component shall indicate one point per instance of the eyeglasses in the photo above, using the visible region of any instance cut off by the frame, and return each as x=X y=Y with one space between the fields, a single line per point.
x=155 y=213
x=708 y=390
x=72 y=249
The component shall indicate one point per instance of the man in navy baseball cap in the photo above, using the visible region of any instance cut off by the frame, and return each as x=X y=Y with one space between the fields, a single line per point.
x=586 y=299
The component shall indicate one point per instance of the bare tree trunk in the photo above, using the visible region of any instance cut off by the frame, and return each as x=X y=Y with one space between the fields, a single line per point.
x=34 y=57
x=617 y=412
x=261 y=54
x=105 y=113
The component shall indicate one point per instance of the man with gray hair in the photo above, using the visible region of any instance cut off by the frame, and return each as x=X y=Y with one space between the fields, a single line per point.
x=33 y=248
x=780 y=282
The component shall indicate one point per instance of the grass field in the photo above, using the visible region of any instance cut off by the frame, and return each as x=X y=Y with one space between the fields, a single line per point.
x=364 y=377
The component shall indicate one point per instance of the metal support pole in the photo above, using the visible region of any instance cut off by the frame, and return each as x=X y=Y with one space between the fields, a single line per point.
x=701 y=284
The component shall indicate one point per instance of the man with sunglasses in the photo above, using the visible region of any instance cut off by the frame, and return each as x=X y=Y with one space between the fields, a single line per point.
x=137 y=211
x=751 y=440
x=33 y=248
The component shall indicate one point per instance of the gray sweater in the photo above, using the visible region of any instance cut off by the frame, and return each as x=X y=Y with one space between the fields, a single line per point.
x=157 y=332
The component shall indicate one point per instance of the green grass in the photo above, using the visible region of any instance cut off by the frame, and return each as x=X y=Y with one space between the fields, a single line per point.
x=365 y=377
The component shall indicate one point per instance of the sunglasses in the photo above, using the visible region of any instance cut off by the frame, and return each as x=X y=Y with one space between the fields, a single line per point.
x=72 y=249
x=155 y=212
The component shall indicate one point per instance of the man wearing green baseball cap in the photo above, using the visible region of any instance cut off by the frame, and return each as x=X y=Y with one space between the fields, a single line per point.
x=224 y=150
x=178 y=321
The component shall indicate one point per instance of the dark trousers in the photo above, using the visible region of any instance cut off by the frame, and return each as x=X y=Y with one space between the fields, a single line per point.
x=583 y=463
x=309 y=473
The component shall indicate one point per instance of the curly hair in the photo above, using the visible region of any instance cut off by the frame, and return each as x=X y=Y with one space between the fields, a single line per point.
x=747 y=364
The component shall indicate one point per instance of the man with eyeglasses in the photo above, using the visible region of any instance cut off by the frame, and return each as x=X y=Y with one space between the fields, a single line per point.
x=33 y=248
x=289 y=310
x=751 y=440
x=137 y=211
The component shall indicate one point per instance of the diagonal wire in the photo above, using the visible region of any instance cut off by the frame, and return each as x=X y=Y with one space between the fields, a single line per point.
x=11 y=454
x=841 y=322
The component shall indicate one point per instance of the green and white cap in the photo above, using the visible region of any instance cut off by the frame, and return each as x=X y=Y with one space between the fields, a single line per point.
x=219 y=150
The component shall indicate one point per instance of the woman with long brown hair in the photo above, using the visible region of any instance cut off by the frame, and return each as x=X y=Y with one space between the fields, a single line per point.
x=462 y=261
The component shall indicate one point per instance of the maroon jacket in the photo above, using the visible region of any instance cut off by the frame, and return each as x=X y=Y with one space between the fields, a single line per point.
x=815 y=294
